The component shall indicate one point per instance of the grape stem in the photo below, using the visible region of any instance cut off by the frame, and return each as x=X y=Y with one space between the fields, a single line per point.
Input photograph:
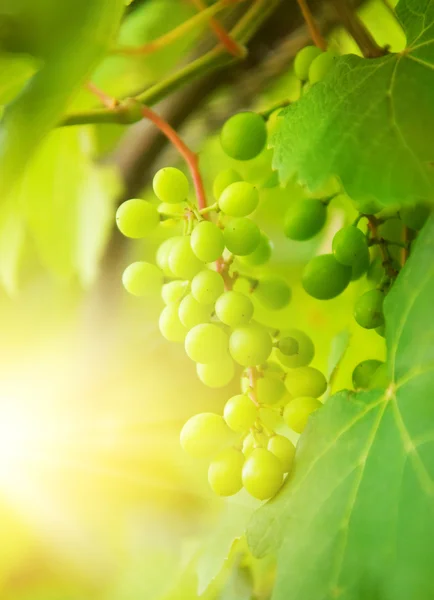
x=373 y=223
x=253 y=375
x=314 y=31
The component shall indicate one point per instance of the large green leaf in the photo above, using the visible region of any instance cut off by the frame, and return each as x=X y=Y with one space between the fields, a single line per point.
x=355 y=520
x=369 y=122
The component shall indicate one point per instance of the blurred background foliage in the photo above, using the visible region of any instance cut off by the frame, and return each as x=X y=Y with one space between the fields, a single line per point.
x=96 y=499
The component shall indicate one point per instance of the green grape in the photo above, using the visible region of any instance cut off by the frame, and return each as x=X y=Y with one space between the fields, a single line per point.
x=361 y=265
x=325 y=278
x=170 y=326
x=252 y=441
x=234 y=308
x=241 y=236
x=174 y=291
x=206 y=343
x=369 y=207
x=368 y=309
x=414 y=216
x=284 y=449
x=305 y=381
x=191 y=312
x=381 y=378
x=375 y=271
x=270 y=417
x=239 y=199
x=304 y=219
x=163 y=253
x=224 y=473
x=303 y=59
x=142 y=279
x=243 y=136
x=204 y=434
x=269 y=389
x=273 y=292
x=182 y=261
x=349 y=244
x=381 y=330
x=216 y=374
x=250 y=345
x=363 y=373
x=240 y=413
x=207 y=286
x=207 y=241
x=298 y=411
x=262 y=474
x=288 y=346
x=170 y=185
x=136 y=218
x=320 y=66
x=223 y=179
x=260 y=255
x=305 y=352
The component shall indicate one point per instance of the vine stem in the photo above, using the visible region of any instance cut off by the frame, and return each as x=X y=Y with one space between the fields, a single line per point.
x=231 y=45
x=315 y=33
x=373 y=227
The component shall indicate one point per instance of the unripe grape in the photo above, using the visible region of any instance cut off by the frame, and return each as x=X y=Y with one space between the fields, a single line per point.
x=207 y=286
x=325 y=278
x=262 y=474
x=234 y=308
x=304 y=219
x=381 y=330
x=223 y=179
x=243 y=136
x=368 y=309
x=170 y=326
x=216 y=374
x=163 y=253
x=224 y=473
x=250 y=345
x=349 y=245
x=241 y=236
x=239 y=199
x=207 y=241
x=288 y=346
x=206 y=343
x=375 y=271
x=269 y=389
x=273 y=292
x=252 y=441
x=205 y=434
x=305 y=352
x=182 y=261
x=298 y=411
x=303 y=59
x=320 y=66
x=364 y=372
x=174 y=291
x=142 y=279
x=284 y=449
x=305 y=381
x=361 y=265
x=260 y=255
x=414 y=216
x=170 y=185
x=137 y=218
x=192 y=313
x=270 y=417
x=380 y=378
x=240 y=413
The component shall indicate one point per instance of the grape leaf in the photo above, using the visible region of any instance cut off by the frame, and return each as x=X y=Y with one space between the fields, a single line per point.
x=356 y=518
x=369 y=122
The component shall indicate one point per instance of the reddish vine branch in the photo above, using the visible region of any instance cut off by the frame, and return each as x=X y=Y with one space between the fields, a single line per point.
x=315 y=33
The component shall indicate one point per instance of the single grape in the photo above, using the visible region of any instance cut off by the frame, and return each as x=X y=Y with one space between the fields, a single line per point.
x=174 y=291
x=414 y=216
x=303 y=59
x=380 y=378
x=305 y=352
x=250 y=345
x=252 y=441
x=305 y=381
x=368 y=309
x=325 y=278
x=364 y=372
x=320 y=66
x=137 y=218
x=142 y=279
x=273 y=292
x=241 y=236
x=304 y=219
x=262 y=474
x=381 y=330
x=260 y=255
x=375 y=271
x=349 y=245
x=171 y=327
x=369 y=207
x=163 y=253
x=216 y=374
x=284 y=449
x=207 y=286
x=298 y=411
x=243 y=136
x=288 y=346
x=239 y=199
x=204 y=434
x=170 y=185
x=224 y=473
x=361 y=265
x=270 y=417
x=240 y=413
x=207 y=241
x=191 y=312
x=206 y=343
x=269 y=389
x=234 y=308
x=182 y=261
x=223 y=179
